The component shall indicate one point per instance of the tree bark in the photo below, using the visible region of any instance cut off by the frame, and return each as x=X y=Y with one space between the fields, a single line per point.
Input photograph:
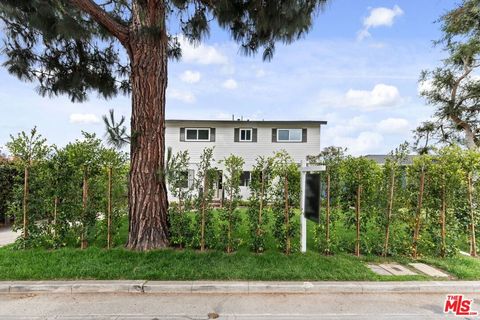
x=109 y=208
x=473 y=243
x=148 y=200
x=25 y=202
x=327 y=217
x=357 y=215
x=416 y=231
x=389 y=212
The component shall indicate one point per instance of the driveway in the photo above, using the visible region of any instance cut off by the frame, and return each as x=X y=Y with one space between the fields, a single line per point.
x=7 y=236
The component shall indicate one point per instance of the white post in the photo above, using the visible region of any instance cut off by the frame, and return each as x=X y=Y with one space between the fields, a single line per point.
x=303 y=219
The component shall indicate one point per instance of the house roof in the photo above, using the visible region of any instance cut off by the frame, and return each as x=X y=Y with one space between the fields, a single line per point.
x=382 y=158
x=317 y=122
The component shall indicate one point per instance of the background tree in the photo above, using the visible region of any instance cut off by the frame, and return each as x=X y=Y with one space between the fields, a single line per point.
x=470 y=163
x=27 y=150
x=181 y=189
x=260 y=185
x=85 y=155
x=445 y=184
x=114 y=165
x=361 y=177
x=8 y=174
x=392 y=168
x=453 y=88
x=332 y=158
x=286 y=199
x=416 y=177
x=232 y=174
x=206 y=175
x=72 y=47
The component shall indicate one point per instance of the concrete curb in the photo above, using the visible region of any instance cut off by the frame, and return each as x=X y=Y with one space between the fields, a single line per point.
x=236 y=287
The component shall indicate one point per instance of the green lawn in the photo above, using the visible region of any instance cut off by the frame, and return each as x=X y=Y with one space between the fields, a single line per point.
x=171 y=264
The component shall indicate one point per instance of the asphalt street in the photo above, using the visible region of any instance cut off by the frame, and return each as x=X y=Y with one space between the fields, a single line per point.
x=118 y=306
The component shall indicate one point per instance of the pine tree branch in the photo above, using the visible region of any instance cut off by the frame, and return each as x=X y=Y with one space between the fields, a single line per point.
x=103 y=18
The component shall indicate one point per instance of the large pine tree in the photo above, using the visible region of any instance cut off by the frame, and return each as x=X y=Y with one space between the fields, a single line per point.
x=73 y=47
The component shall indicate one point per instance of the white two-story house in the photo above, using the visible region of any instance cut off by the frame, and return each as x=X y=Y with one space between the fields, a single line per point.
x=247 y=139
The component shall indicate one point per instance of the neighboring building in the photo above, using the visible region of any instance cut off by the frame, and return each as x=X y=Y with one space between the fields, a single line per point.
x=382 y=158
x=247 y=139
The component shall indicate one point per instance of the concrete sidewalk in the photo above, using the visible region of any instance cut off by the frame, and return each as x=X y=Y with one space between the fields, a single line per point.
x=237 y=287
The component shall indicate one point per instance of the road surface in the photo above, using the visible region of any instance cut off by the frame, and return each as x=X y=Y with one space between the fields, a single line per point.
x=126 y=306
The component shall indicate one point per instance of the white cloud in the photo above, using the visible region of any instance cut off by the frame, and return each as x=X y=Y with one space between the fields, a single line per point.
x=381 y=95
x=201 y=53
x=184 y=96
x=190 y=76
x=379 y=17
x=393 y=126
x=85 y=118
x=230 y=84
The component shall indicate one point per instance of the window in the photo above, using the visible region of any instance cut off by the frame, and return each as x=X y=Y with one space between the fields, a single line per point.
x=245 y=134
x=184 y=177
x=187 y=178
x=289 y=135
x=194 y=134
x=245 y=179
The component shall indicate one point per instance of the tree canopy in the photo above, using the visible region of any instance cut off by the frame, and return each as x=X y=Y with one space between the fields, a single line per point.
x=71 y=46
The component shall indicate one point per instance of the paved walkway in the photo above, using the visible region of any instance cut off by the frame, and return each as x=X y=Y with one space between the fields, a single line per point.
x=7 y=236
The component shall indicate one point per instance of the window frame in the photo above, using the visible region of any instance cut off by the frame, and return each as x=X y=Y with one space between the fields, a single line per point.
x=197 y=139
x=289 y=129
x=246 y=130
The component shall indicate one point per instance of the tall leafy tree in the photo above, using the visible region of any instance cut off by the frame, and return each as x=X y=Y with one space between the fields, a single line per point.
x=232 y=175
x=392 y=170
x=76 y=47
x=452 y=88
x=361 y=178
x=332 y=158
x=27 y=149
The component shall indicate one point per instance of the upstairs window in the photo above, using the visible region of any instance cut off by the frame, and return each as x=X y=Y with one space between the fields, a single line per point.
x=197 y=134
x=245 y=134
x=289 y=135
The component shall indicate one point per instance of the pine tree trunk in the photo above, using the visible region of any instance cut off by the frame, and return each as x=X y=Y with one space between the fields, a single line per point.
x=473 y=244
x=443 y=212
x=109 y=209
x=389 y=212
x=327 y=217
x=357 y=215
x=25 y=202
x=416 y=231
x=148 y=200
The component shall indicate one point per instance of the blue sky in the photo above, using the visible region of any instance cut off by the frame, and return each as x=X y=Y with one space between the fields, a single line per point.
x=358 y=69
